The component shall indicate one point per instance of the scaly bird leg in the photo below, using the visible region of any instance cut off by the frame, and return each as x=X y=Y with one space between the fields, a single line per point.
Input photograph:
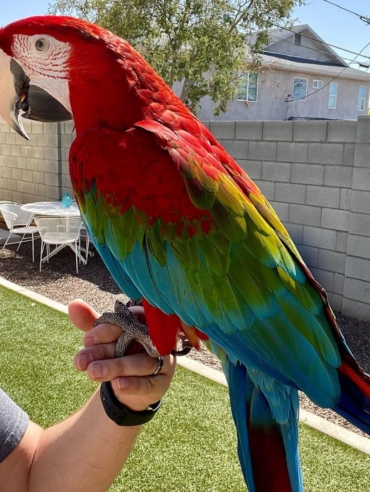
x=131 y=327
x=133 y=330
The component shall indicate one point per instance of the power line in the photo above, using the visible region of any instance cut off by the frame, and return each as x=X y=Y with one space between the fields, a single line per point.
x=338 y=75
x=362 y=17
x=318 y=51
x=322 y=42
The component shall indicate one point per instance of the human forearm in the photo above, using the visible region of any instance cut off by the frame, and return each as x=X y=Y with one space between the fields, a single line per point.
x=87 y=450
x=70 y=456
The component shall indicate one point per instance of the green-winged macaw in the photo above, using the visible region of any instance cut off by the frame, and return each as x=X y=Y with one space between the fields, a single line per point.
x=181 y=225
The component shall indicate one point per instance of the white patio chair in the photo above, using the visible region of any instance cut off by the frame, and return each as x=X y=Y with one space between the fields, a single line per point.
x=18 y=221
x=58 y=232
x=85 y=235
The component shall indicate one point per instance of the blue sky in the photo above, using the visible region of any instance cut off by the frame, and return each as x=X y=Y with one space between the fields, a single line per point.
x=333 y=25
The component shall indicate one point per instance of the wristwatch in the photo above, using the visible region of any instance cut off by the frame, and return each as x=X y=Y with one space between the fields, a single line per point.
x=122 y=415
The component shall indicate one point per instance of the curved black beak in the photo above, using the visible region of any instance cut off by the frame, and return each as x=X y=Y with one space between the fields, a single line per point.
x=18 y=98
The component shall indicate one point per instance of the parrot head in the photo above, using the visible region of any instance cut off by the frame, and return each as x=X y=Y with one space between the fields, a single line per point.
x=57 y=68
x=29 y=86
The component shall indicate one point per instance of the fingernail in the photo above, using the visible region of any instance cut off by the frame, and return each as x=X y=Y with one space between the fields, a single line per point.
x=98 y=370
x=83 y=360
x=122 y=383
x=89 y=341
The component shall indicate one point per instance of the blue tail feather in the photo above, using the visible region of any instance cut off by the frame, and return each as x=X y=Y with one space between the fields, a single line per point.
x=267 y=428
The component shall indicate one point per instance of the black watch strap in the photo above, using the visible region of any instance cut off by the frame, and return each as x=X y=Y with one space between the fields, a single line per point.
x=122 y=415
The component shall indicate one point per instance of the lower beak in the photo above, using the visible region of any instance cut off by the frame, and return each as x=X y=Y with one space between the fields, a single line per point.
x=18 y=98
x=13 y=93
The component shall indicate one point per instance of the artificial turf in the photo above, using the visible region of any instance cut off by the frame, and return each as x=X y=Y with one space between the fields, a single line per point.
x=189 y=446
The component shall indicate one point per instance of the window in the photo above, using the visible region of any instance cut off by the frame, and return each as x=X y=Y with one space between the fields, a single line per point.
x=333 y=93
x=297 y=39
x=300 y=88
x=361 y=98
x=248 y=88
x=317 y=84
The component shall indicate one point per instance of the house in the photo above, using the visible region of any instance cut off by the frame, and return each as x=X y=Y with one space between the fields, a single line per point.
x=301 y=77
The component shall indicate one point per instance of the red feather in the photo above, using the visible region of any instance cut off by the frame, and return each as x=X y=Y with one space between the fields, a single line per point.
x=163 y=328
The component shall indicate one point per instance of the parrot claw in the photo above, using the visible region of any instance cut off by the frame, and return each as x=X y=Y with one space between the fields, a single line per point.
x=182 y=348
x=133 y=330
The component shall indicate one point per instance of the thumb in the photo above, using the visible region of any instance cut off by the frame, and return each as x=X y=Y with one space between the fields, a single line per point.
x=82 y=315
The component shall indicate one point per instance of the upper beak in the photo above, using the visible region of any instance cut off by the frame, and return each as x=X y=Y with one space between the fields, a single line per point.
x=18 y=98
x=13 y=92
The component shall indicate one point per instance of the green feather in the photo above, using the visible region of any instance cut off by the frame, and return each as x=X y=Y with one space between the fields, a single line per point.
x=182 y=253
x=234 y=228
x=95 y=217
x=128 y=221
x=305 y=293
x=307 y=324
x=230 y=197
x=155 y=243
x=264 y=248
x=141 y=217
x=114 y=239
x=199 y=195
x=217 y=262
x=169 y=229
x=260 y=300
x=259 y=271
x=222 y=244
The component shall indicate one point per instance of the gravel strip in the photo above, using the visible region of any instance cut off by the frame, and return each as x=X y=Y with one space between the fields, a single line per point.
x=59 y=281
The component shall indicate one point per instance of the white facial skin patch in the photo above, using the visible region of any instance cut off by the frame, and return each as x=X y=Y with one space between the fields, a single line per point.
x=45 y=62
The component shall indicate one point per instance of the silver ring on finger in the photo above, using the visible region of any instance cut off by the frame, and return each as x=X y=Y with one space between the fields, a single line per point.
x=159 y=366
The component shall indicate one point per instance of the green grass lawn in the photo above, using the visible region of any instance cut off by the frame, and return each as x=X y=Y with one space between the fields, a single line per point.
x=189 y=446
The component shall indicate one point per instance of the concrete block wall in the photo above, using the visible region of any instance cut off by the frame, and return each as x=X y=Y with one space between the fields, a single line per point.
x=316 y=174
x=36 y=170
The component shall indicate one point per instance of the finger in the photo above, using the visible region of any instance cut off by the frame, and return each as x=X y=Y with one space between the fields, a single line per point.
x=140 y=364
x=104 y=333
x=138 y=393
x=82 y=315
x=107 y=333
x=95 y=353
x=140 y=386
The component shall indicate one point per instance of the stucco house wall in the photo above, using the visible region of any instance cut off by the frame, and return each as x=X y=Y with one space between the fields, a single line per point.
x=273 y=103
x=283 y=60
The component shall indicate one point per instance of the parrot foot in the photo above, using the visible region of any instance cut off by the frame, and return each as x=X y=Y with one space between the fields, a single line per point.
x=183 y=346
x=133 y=330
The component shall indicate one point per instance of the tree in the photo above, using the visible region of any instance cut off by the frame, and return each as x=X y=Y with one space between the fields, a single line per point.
x=200 y=43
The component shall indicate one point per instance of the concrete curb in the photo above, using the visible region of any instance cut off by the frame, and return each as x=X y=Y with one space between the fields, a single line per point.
x=314 y=421
x=32 y=295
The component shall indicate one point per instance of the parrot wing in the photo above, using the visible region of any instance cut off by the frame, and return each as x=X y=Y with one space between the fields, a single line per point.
x=168 y=215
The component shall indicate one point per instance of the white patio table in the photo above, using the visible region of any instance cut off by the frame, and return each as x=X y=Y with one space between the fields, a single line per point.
x=56 y=209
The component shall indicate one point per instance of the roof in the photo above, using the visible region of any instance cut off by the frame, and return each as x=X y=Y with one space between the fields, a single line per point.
x=280 y=34
x=346 y=72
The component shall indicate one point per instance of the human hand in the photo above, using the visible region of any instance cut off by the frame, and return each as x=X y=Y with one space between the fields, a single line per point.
x=130 y=375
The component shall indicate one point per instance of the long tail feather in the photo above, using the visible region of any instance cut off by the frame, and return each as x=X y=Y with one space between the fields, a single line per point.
x=267 y=448
x=354 y=403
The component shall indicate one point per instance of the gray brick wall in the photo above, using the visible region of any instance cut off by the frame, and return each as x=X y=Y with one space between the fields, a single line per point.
x=36 y=170
x=315 y=173
x=317 y=176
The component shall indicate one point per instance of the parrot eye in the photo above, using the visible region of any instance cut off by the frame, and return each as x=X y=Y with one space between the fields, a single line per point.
x=41 y=44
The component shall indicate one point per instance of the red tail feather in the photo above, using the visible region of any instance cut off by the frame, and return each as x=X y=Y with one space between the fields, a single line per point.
x=269 y=474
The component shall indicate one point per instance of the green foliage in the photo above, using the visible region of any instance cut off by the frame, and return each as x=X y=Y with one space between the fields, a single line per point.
x=189 y=447
x=200 y=43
